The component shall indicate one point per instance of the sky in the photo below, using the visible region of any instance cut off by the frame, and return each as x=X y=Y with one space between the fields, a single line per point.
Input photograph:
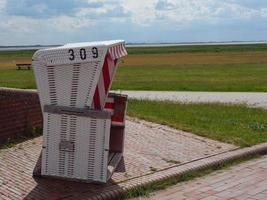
x=30 y=22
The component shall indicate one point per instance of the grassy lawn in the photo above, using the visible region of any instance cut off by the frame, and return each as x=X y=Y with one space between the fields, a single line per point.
x=17 y=78
x=235 y=124
x=17 y=54
x=194 y=77
x=180 y=68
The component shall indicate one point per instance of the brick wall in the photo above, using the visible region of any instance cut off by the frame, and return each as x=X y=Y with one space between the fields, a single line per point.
x=20 y=112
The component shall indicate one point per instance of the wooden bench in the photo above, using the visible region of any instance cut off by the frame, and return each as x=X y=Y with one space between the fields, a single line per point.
x=24 y=65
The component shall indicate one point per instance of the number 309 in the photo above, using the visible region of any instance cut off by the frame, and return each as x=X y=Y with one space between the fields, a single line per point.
x=83 y=54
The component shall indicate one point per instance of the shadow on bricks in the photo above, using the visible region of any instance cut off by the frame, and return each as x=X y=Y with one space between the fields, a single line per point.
x=53 y=189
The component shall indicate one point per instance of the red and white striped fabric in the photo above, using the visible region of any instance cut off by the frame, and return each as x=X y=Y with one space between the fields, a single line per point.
x=110 y=105
x=107 y=74
x=115 y=101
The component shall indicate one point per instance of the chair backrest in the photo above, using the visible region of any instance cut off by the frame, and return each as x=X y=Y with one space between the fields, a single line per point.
x=77 y=75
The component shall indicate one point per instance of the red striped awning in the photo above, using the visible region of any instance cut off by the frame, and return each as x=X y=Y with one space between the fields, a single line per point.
x=117 y=51
x=107 y=75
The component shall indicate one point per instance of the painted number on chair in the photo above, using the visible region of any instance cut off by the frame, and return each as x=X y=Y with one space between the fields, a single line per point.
x=82 y=53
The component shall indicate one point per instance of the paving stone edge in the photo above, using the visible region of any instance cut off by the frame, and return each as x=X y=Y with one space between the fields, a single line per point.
x=117 y=191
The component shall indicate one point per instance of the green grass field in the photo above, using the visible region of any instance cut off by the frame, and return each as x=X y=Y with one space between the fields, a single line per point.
x=17 y=54
x=180 y=68
x=17 y=78
x=194 y=77
x=235 y=124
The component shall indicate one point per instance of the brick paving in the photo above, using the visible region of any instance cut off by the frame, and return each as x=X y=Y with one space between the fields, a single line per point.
x=245 y=181
x=148 y=147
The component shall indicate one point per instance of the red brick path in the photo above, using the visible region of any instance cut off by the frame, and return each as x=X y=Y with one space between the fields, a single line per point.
x=148 y=147
x=245 y=181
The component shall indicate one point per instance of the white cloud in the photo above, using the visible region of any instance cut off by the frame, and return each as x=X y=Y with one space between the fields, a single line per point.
x=231 y=10
x=263 y=12
x=2 y=5
x=142 y=12
x=255 y=4
x=66 y=23
x=19 y=24
x=165 y=5
x=188 y=10
x=84 y=13
x=95 y=3
x=24 y=25
x=105 y=12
